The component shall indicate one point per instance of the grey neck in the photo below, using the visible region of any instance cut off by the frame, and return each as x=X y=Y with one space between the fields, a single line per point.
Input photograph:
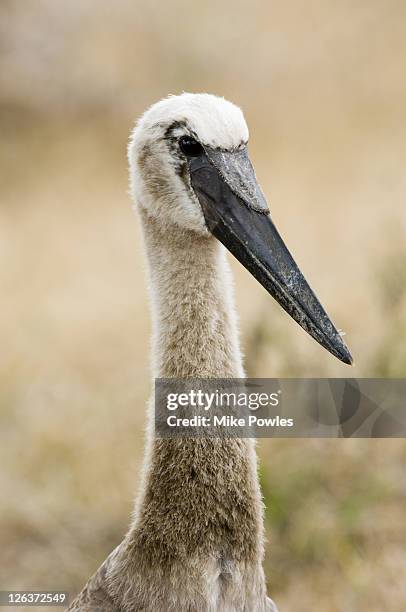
x=199 y=505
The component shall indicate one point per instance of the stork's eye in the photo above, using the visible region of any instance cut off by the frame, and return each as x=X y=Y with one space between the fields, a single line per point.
x=189 y=146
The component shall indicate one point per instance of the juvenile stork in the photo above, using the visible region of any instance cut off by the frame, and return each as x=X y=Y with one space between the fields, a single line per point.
x=196 y=540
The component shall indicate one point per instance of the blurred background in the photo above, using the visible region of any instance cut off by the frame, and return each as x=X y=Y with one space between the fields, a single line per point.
x=323 y=88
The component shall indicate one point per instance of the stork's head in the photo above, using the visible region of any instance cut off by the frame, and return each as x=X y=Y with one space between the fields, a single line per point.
x=166 y=139
x=189 y=167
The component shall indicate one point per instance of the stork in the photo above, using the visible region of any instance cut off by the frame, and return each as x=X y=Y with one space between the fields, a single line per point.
x=196 y=540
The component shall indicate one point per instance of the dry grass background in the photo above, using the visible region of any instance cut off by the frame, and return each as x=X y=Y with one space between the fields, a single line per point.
x=324 y=91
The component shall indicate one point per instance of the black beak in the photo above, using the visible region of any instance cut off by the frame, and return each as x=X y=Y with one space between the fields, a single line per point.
x=236 y=213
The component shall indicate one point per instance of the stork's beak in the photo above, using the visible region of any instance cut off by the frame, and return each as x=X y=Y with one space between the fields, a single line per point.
x=237 y=214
